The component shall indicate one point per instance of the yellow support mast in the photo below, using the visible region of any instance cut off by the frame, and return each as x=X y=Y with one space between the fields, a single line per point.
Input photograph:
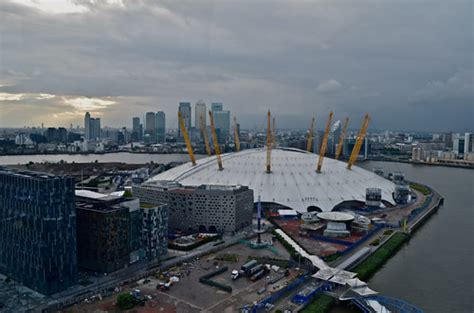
x=274 y=134
x=204 y=135
x=341 y=139
x=216 y=142
x=358 y=144
x=236 y=136
x=269 y=145
x=310 y=136
x=324 y=144
x=186 y=139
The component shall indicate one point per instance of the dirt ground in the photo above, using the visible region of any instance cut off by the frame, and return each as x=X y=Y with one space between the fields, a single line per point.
x=189 y=295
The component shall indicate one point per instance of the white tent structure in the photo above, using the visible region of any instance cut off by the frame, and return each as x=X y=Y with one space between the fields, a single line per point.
x=293 y=181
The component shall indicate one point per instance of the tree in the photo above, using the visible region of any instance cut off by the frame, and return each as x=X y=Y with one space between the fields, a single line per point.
x=125 y=301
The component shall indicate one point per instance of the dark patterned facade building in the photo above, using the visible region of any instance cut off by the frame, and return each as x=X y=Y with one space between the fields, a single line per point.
x=155 y=230
x=206 y=208
x=114 y=231
x=103 y=235
x=38 y=230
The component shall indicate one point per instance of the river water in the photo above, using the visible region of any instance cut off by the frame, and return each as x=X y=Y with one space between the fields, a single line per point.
x=434 y=271
x=125 y=157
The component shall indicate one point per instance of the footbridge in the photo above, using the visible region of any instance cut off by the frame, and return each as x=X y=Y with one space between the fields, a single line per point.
x=356 y=291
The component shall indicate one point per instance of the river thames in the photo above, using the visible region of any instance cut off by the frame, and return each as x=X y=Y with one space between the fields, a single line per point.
x=434 y=270
x=124 y=157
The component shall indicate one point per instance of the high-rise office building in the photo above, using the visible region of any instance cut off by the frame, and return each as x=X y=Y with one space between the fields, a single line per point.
x=150 y=127
x=38 y=230
x=199 y=112
x=458 y=144
x=92 y=130
x=185 y=109
x=468 y=143
x=95 y=128
x=160 y=123
x=222 y=122
x=137 y=129
x=87 y=123
x=217 y=106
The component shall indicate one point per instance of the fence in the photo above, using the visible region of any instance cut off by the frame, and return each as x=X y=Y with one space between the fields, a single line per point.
x=279 y=294
x=359 y=242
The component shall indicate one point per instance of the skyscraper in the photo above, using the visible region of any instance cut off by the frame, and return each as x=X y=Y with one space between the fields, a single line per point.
x=185 y=109
x=222 y=121
x=217 y=106
x=199 y=111
x=38 y=230
x=95 y=128
x=87 y=126
x=150 y=127
x=137 y=129
x=91 y=128
x=468 y=143
x=160 y=123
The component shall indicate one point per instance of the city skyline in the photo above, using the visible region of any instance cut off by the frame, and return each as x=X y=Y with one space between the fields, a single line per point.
x=341 y=57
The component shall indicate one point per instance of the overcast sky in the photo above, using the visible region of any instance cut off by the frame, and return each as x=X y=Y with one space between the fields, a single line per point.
x=408 y=63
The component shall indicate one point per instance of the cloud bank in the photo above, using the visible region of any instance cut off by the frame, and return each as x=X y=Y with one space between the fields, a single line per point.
x=122 y=58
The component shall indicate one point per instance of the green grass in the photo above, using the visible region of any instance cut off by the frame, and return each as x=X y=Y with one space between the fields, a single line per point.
x=332 y=257
x=321 y=304
x=367 y=268
x=421 y=188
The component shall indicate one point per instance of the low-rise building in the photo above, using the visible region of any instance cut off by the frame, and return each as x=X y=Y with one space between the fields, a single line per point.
x=206 y=208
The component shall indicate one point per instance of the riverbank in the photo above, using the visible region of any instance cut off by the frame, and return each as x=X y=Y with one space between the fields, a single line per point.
x=444 y=163
x=366 y=268
x=323 y=303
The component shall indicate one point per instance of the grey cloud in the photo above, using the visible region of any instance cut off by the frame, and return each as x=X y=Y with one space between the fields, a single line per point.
x=287 y=56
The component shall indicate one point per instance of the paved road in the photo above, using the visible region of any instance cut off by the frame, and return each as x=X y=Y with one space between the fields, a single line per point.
x=140 y=269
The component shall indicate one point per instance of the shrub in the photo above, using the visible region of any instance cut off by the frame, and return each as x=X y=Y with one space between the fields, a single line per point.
x=125 y=301
x=421 y=188
x=320 y=304
x=376 y=242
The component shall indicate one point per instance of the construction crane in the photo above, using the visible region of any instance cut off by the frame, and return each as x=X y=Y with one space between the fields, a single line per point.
x=269 y=145
x=324 y=144
x=341 y=139
x=216 y=142
x=236 y=136
x=274 y=134
x=310 y=136
x=186 y=138
x=204 y=135
x=358 y=144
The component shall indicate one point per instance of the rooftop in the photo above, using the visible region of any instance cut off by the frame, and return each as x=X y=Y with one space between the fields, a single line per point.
x=293 y=181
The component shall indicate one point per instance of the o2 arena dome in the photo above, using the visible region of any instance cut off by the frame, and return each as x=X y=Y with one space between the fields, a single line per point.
x=293 y=181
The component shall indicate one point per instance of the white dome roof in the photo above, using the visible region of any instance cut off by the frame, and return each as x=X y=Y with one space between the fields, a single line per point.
x=293 y=182
x=335 y=216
